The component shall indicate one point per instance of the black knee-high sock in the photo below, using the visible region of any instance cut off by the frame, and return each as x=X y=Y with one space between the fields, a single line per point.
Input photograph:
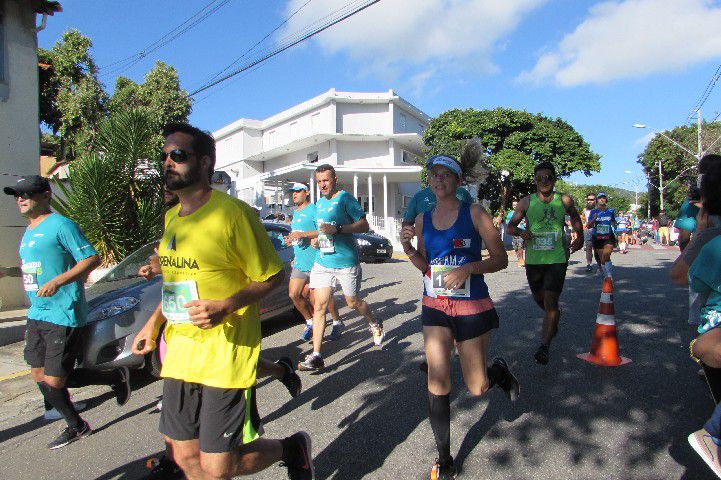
x=440 y=416
x=495 y=375
x=60 y=399
x=45 y=400
x=82 y=377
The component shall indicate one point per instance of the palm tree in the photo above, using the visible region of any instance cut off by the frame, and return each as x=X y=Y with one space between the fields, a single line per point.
x=115 y=194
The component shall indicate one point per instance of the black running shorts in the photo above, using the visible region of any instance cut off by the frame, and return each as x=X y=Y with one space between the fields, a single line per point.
x=546 y=277
x=599 y=243
x=221 y=418
x=467 y=319
x=53 y=347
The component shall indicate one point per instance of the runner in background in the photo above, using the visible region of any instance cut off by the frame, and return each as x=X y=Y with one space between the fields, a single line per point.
x=517 y=242
x=602 y=221
x=587 y=240
x=623 y=228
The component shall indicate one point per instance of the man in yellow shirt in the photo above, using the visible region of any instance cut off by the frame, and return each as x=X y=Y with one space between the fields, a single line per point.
x=217 y=263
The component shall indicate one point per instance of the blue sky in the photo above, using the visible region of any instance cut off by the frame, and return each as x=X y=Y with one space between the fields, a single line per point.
x=602 y=66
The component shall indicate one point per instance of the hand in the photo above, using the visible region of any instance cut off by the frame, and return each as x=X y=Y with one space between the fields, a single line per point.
x=152 y=269
x=328 y=229
x=455 y=278
x=407 y=233
x=48 y=290
x=144 y=342
x=314 y=242
x=526 y=235
x=577 y=243
x=146 y=271
x=207 y=313
x=293 y=236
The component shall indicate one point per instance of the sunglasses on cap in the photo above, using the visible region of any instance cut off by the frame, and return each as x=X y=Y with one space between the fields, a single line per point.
x=177 y=155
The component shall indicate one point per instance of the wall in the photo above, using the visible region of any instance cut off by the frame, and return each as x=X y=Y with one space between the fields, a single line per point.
x=364 y=154
x=413 y=124
x=363 y=118
x=318 y=120
x=19 y=134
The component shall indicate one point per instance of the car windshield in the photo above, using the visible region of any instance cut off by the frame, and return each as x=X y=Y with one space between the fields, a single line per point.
x=128 y=268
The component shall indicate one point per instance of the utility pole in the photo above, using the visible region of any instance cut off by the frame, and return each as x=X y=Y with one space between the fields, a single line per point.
x=660 y=183
x=699 y=121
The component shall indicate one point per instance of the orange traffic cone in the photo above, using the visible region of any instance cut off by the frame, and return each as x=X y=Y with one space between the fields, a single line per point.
x=604 y=347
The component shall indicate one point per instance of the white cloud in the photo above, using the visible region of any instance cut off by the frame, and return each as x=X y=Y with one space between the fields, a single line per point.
x=632 y=39
x=417 y=40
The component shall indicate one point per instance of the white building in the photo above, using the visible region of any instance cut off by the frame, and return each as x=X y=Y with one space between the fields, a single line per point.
x=19 y=125
x=372 y=139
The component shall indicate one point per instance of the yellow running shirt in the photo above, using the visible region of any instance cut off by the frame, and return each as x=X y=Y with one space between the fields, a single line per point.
x=212 y=254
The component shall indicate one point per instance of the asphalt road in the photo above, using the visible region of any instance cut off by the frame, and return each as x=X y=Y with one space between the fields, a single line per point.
x=367 y=413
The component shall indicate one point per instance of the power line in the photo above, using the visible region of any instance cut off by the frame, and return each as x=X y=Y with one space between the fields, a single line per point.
x=291 y=42
x=280 y=25
x=707 y=91
x=191 y=22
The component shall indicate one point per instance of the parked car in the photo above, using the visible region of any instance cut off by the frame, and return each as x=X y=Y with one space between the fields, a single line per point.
x=121 y=302
x=373 y=247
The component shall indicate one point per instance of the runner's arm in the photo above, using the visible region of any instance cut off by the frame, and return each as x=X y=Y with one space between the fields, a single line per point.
x=416 y=256
x=79 y=272
x=679 y=271
x=361 y=226
x=144 y=341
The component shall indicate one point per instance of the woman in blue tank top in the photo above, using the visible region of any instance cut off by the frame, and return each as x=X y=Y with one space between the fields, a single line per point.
x=456 y=305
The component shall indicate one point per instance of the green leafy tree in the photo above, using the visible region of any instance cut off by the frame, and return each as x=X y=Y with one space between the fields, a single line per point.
x=515 y=141
x=618 y=198
x=675 y=162
x=72 y=100
x=115 y=193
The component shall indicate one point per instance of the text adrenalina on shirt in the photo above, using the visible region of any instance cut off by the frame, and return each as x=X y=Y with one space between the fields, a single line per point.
x=51 y=248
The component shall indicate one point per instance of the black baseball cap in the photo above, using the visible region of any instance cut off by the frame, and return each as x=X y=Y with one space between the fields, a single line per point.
x=28 y=184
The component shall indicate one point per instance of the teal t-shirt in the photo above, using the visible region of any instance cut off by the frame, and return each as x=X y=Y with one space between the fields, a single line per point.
x=704 y=278
x=51 y=248
x=304 y=221
x=338 y=251
x=425 y=200
x=686 y=219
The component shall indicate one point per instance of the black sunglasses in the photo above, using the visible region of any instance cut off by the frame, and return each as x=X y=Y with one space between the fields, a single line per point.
x=27 y=195
x=545 y=178
x=591 y=199
x=177 y=155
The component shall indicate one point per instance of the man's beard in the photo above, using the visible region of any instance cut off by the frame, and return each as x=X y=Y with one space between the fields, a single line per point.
x=178 y=181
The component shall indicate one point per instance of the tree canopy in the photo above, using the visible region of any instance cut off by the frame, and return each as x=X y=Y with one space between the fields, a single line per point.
x=675 y=162
x=515 y=141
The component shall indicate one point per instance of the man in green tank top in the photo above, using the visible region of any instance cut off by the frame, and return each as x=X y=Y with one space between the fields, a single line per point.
x=546 y=249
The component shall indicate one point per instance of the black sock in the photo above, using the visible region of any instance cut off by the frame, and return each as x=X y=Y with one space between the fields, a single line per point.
x=440 y=416
x=82 y=377
x=289 y=450
x=496 y=373
x=41 y=387
x=60 y=399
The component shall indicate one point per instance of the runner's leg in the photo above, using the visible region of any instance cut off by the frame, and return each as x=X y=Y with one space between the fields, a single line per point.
x=320 y=306
x=606 y=257
x=186 y=453
x=552 y=316
x=295 y=292
x=247 y=459
x=472 y=355
x=438 y=343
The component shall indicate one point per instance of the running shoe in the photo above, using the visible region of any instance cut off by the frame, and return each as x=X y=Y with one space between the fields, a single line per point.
x=311 y=362
x=300 y=462
x=307 y=334
x=378 y=333
x=53 y=413
x=541 y=355
x=336 y=331
x=708 y=450
x=163 y=468
x=122 y=387
x=159 y=406
x=589 y=268
x=443 y=472
x=290 y=379
x=509 y=383
x=70 y=435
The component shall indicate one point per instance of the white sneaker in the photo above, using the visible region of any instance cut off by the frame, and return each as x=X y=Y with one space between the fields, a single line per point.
x=378 y=333
x=706 y=449
x=53 y=413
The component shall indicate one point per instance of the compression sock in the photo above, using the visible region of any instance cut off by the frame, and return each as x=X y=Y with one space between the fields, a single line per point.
x=608 y=267
x=440 y=416
x=41 y=387
x=60 y=399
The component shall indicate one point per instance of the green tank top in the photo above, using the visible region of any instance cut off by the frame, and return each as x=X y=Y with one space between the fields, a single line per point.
x=545 y=222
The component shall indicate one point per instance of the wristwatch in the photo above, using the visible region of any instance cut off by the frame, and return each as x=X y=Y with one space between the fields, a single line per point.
x=339 y=228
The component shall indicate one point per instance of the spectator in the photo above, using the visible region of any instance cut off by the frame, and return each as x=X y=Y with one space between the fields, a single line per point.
x=663 y=222
x=686 y=220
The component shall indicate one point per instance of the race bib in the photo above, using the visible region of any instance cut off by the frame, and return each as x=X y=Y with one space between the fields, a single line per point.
x=175 y=295
x=30 y=276
x=603 y=229
x=544 y=241
x=438 y=273
x=326 y=243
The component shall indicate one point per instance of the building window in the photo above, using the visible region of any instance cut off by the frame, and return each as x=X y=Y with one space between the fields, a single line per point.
x=271 y=139
x=293 y=130
x=402 y=122
x=315 y=122
x=312 y=157
x=409 y=158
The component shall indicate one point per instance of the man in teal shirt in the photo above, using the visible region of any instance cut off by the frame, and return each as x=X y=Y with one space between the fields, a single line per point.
x=338 y=216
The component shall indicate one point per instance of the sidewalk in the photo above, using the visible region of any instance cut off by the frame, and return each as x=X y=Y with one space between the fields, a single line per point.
x=13 y=315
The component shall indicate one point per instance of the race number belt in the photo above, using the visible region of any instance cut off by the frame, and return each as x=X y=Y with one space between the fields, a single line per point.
x=175 y=295
x=544 y=241
x=438 y=274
